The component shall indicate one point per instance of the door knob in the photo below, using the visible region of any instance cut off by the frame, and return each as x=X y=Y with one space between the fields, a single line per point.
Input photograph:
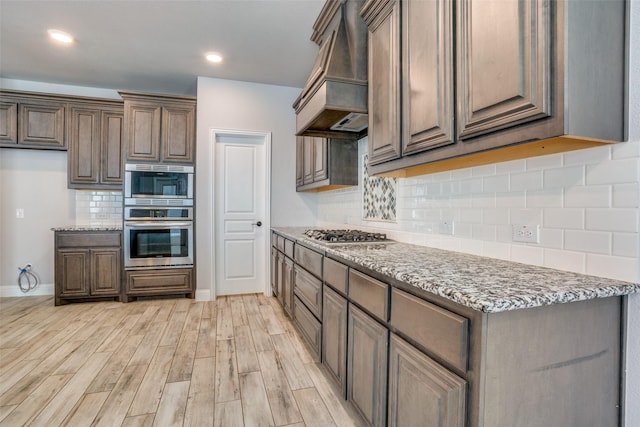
x=259 y=223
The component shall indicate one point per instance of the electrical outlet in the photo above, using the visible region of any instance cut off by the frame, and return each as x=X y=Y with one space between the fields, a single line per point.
x=20 y=213
x=446 y=227
x=526 y=233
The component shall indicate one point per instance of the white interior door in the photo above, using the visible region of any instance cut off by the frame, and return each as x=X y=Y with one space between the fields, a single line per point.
x=241 y=223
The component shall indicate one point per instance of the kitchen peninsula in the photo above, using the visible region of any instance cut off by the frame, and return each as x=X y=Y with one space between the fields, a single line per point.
x=467 y=340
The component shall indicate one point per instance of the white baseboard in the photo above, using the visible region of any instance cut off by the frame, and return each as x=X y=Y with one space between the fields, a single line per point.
x=203 y=295
x=14 y=290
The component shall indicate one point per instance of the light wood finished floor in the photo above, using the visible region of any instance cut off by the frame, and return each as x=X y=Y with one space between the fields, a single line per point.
x=165 y=362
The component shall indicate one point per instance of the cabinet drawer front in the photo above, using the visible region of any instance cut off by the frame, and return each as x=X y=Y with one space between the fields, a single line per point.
x=336 y=275
x=309 y=290
x=161 y=281
x=370 y=294
x=440 y=332
x=310 y=260
x=88 y=239
x=274 y=239
x=288 y=248
x=280 y=243
x=309 y=326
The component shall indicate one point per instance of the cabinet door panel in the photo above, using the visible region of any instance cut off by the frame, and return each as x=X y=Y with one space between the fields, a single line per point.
x=504 y=57
x=274 y=271
x=177 y=133
x=427 y=74
x=105 y=266
x=367 y=366
x=334 y=336
x=319 y=159
x=287 y=285
x=72 y=272
x=8 y=122
x=112 y=147
x=308 y=161
x=299 y=161
x=384 y=85
x=144 y=132
x=84 y=146
x=421 y=392
x=42 y=124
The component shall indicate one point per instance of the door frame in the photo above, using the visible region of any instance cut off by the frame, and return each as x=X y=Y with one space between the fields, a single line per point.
x=214 y=134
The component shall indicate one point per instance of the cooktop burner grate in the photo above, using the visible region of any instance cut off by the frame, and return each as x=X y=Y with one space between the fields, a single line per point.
x=345 y=236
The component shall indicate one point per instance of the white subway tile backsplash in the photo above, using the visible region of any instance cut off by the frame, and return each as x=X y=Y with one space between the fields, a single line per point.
x=613 y=172
x=587 y=203
x=625 y=150
x=625 y=244
x=593 y=196
x=564 y=177
x=588 y=241
x=587 y=157
x=565 y=260
x=544 y=162
x=613 y=267
x=526 y=181
x=565 y=218
x=527 y=254
x=496 y=184
x=614 y=219
x=525 y=216
x=484 y=170
x=511 y=166
x=626 y=195
x=98 y=207
x=544 y=198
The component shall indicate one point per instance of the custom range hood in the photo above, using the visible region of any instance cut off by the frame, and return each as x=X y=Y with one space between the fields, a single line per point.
x=333 y=102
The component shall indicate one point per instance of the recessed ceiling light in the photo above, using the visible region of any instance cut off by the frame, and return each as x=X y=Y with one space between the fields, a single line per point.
x=60 y=36
x=213 y=57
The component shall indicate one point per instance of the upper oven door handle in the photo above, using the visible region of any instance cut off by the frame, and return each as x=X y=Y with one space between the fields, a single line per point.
x=158 y=224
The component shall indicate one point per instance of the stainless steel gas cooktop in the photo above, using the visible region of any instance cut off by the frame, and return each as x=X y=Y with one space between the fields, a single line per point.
x=346 y=236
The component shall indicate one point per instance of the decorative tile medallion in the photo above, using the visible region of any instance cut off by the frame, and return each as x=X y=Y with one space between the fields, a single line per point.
x=378 y=195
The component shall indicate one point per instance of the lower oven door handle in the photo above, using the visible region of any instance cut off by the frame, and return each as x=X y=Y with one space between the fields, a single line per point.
x=158 y=224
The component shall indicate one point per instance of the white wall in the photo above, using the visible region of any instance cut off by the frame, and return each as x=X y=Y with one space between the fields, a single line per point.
x=235 y=105
x=36 y=180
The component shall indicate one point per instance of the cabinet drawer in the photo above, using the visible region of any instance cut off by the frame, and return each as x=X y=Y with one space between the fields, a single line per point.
x=288 y=248
x=370 y=294
x=309 y=290
x=336 y=275
x=274 y=239
x=280 y=243
x=87 y=239
x=440 y=332
x=159 y=281
x=310 y=260
x=309 y=327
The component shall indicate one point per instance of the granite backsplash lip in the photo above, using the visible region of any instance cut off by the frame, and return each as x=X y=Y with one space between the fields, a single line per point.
x=485 y=284
x=111 y=227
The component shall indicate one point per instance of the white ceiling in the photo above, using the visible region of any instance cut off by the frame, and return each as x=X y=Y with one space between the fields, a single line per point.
x=158 y=45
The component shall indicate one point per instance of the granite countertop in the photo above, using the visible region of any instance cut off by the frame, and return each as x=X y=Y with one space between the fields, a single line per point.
x=88 y=228
x=481 y=283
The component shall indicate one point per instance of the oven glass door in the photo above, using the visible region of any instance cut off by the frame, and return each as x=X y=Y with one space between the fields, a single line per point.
x=158 y=243
x=155 y=184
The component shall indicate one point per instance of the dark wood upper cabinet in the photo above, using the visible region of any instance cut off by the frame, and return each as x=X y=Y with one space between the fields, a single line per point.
x=32 y=121
x=159 y=128
x=383 y=21
x=325 y=163
x=96 y=146
x=485 y=81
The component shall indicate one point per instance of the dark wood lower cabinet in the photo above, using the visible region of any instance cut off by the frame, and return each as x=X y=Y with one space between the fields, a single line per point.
x=170 y=281
x=421 y=391
x=87 y=265
x=310 y=328
x=367 y=354
x=334 y=337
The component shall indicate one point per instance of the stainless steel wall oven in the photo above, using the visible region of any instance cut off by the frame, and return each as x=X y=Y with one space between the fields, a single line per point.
x=158 y=237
